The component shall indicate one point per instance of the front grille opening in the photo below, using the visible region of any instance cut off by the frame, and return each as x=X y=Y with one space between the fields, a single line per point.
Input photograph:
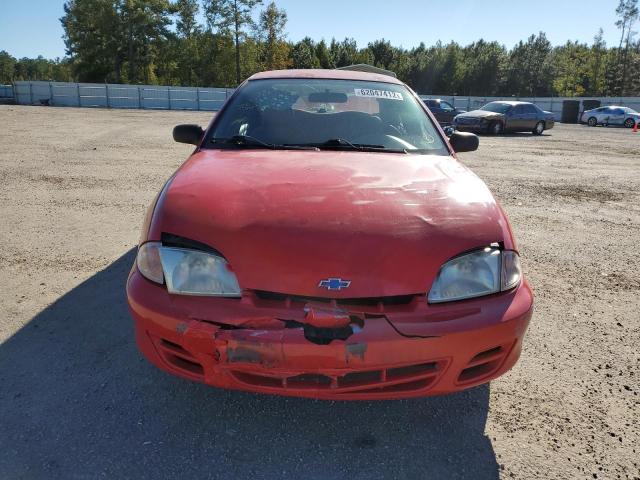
x=483 y=364
x=359 y=378
x=184 y=364
x=173 y=346
x=281 y=297
x=179 y=358
x=367 y=381
x=373 y=301
x=309 y=380
x=478 y=371
x=402 y=387
x=411 y=370
x=487 y=354
x=347 y=302
x=258 y=380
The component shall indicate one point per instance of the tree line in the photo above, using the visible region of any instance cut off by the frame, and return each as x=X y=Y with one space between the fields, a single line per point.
x=220 y=42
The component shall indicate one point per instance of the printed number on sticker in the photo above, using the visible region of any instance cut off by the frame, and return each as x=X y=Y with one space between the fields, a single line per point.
x=370 y=92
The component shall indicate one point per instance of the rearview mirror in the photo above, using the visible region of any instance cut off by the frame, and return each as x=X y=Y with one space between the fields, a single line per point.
x=327 y=97
x=464 y=142
x=188 y=133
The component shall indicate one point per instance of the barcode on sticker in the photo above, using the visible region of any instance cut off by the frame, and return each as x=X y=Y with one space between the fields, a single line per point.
x=370 y=92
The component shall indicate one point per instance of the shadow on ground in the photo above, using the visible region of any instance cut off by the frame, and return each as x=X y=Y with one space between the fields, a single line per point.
x=78 y=401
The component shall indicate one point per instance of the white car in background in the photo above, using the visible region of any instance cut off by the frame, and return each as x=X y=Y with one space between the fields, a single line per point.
x=610 y=115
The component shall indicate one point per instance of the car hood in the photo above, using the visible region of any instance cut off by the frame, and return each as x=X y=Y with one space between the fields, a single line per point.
x=480 y=114
x=285 y=220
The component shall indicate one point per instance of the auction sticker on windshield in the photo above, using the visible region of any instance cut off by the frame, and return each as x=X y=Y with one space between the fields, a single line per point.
x=370 y=92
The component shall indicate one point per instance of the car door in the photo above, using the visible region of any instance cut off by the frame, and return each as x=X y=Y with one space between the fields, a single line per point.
x=597 y=113
x=447 y=112
x=516 y=119
x=605 y=115
x=530 y=117
x=617 y=116
x=434 y=106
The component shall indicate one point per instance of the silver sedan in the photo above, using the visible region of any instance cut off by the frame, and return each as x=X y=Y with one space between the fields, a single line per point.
x=611 y=115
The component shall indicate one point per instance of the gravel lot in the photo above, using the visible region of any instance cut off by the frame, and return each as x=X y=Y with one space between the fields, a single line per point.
x=78 y=401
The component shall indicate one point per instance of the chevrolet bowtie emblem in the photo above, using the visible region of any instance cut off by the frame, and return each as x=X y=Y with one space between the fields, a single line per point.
x=334 y=283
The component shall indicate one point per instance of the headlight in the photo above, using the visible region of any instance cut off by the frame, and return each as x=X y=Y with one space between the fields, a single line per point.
x=186 y=271
x=511 y=270
x=475 y=274
x=148 y=261
x=192 y=272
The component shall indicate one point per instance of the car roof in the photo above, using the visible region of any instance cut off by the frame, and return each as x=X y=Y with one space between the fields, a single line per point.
x=329 y=74
x=511 y=102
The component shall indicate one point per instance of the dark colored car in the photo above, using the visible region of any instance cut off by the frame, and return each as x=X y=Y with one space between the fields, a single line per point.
x=443 y=111
x=502 y=116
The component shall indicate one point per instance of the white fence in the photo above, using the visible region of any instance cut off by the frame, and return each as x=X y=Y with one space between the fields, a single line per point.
x=550 y=104
x=195 y=98
x=119 y=96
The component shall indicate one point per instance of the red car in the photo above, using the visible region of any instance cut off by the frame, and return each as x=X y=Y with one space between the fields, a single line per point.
x=324 y=241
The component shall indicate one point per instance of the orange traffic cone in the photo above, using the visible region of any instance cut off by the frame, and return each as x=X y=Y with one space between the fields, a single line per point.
x=635 y=127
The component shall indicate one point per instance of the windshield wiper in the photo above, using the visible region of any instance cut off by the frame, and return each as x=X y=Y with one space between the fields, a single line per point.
x=362 y=147
x=249 y=141
x=341 y=142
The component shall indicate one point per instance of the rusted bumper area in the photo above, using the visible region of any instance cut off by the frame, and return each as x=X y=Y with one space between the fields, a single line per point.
x=378 y=360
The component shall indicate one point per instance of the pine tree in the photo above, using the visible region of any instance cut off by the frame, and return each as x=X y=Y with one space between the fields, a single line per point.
x=271 y=35
x=235 y=17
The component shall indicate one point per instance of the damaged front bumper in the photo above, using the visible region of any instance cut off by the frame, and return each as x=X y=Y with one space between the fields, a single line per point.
x=314 y=351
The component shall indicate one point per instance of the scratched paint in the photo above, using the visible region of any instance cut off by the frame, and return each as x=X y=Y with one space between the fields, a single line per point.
x=355 y=350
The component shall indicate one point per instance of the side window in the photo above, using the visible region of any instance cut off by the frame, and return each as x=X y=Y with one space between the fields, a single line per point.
x=431 y=103
x=618 y=111
x=519 y=110
x=446 y=107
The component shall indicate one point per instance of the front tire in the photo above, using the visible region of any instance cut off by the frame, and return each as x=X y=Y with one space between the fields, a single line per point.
x=538 y=129
x=629 y=123
x=496 y=128
x=592 y=122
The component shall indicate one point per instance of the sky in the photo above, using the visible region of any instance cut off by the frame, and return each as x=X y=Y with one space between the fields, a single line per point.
x=29 y=28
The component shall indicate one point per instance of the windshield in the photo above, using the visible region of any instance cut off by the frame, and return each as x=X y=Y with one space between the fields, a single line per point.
x=323 y=113
x=497 y=107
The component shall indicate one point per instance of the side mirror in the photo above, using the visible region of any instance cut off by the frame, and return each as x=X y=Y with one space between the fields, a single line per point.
x=448 y=130
x=464 y=142
x=188 y=133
